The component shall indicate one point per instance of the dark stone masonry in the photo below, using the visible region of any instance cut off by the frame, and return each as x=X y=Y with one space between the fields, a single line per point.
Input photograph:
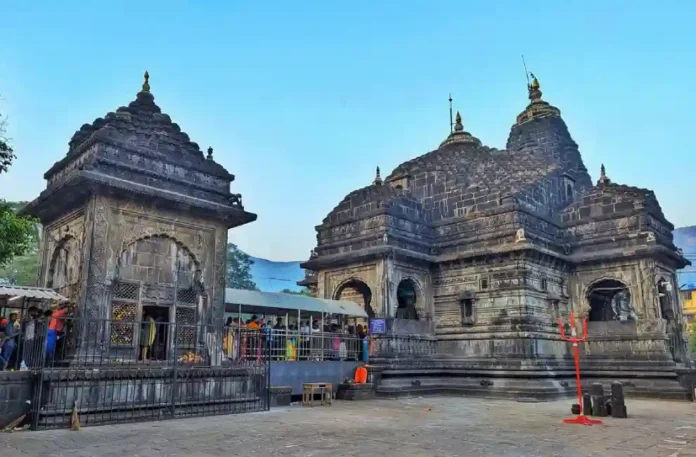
x=493 y=246
x=136 y=215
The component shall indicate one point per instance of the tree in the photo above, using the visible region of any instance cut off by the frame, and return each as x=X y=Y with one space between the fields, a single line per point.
x=17 y=233
x=6 y=151
x=691 y=331
x=239 y=269
x=23 y=269
x=304 y=292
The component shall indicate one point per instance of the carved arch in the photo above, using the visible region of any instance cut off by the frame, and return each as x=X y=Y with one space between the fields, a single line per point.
x=420 y=304
x=586 y=306
x=357 y=284
x=128 y=242
x=62 y=242
x=142 y=233
x=182 y=249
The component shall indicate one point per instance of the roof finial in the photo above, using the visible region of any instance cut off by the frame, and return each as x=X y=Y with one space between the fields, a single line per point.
x=146 y=83
x=378 y=179
x=534 y=89
x=451 y=124
x=603 y=179
x=458 y=126
x=210 y=153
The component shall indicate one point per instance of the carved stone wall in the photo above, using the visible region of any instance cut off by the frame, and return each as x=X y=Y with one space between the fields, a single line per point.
x=644 y=337
x=333 y=284
x=63 y=253
x=513 y=300
x=136 y=242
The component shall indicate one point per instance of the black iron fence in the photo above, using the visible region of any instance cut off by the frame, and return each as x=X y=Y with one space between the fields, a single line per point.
x=109 y=371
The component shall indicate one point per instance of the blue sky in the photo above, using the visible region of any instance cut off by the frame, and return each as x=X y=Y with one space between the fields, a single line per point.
x=302 y=99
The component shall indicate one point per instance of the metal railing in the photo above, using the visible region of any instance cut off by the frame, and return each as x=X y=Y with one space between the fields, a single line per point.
x=82 y=342
x=293 y=345
x=106 y=371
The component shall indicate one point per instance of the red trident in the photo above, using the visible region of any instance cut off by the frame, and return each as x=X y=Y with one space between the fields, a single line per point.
x=580 y=418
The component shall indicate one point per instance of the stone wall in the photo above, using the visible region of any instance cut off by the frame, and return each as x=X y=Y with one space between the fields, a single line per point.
x=134 y=241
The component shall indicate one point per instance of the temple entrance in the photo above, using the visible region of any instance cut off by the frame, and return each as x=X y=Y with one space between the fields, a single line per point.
x=154 y=333
x=610 y=300
x=358 y=292
x=407 y=298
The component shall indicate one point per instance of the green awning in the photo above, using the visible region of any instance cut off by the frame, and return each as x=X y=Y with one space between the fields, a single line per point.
x=254 y=301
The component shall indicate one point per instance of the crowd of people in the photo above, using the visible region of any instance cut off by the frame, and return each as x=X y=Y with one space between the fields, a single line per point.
x=299 y=340
x=34 y=338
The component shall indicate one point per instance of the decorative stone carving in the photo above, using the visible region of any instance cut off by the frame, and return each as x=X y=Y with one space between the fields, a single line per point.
x=651 y=237
x=519 y=236
x=236 y=200
x=622 y=307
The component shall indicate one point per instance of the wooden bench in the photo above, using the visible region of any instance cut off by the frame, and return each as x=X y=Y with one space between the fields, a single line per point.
x=325 y=389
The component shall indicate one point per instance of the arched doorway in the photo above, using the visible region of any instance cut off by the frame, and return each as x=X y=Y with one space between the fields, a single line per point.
x=407 y=298
x=358 y=292
x=610 y=300
x=157 y=285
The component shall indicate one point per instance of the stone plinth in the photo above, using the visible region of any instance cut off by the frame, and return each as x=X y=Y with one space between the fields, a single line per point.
x=280 y=396
x=351 y=391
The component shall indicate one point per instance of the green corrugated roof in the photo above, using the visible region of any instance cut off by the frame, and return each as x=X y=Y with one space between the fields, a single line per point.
x=270 y=302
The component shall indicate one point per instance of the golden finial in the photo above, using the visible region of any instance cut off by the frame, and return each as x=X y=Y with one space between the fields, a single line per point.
x=458 y=126
x=146 y=83
x=378 y=178
x=534 y=88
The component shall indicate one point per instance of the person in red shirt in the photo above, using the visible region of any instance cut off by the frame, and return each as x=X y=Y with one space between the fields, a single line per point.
x=56 y=325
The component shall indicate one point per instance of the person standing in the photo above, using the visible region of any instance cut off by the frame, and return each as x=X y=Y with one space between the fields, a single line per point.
x=11 y=331
x=147 y=336
x=56 y=327
x=30 y=337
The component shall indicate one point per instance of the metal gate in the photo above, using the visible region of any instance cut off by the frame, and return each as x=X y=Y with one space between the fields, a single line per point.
x=113 y=371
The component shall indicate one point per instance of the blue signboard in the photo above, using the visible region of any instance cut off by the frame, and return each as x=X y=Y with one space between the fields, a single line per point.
x=378 y=326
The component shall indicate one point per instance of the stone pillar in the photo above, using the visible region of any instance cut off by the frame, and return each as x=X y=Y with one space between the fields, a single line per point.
x=597 y=399
x=587 y=404
x=618 y=405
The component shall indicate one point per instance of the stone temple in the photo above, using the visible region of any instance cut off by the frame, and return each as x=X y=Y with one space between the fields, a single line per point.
x=135 y=221
x=471 y=254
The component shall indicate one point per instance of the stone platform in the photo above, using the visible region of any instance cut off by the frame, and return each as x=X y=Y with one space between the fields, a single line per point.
x=425 y=427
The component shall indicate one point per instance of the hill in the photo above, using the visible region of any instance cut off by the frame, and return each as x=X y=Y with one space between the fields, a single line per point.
x=271 y=276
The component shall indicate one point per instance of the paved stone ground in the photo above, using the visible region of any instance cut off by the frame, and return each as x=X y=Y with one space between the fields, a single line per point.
x=425 y=427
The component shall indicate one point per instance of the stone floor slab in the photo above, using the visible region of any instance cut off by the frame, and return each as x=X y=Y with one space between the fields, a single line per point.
x=418 y=427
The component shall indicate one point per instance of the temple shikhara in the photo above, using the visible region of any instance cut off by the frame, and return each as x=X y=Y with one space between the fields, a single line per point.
x=471 y=254
x=135 y=219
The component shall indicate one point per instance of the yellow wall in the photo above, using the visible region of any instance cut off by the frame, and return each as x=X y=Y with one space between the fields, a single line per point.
x=689 y=299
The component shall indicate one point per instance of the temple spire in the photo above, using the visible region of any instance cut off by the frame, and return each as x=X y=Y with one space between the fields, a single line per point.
x=146 y=83
x=458 y=126
x=534 y=89
x=378 y=179
x=603 y=179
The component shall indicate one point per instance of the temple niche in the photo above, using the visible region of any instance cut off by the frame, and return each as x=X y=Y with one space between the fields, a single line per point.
x=64 y=267
x=477 y=252
x=358 y=292
x=135 y=220
x=610 y=300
